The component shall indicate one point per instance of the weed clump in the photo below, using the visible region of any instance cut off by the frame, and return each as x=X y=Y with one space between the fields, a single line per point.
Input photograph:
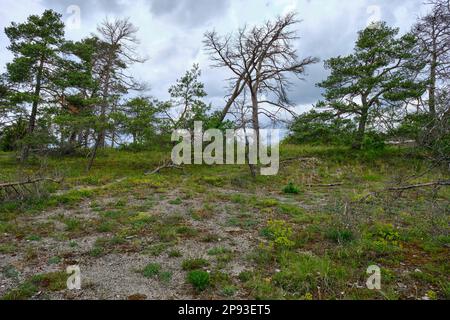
x=200 y=280
x=151 y=270
x=279 y=233
x=340 y=236
x=193 y=264
x=291 y=188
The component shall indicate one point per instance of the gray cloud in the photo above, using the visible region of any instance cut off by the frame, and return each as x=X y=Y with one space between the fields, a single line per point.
x=171 y=32
x=190 y=13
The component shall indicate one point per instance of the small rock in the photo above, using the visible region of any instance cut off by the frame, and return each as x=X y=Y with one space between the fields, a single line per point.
x=402 y=286
x=418 y=271
x=233 y=230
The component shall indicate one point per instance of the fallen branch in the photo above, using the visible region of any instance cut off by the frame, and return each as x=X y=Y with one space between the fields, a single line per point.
x=408 y=187
x=421 y=185
x=165 y=165
x=23 y=183
x=299 y=159
x=325 y=185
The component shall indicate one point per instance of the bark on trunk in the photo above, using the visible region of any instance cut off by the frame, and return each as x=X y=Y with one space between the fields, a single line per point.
x=359 y=139
x=32 y=123
x=255 y=123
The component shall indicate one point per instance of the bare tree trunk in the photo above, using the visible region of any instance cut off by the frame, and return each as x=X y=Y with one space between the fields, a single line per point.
x=247 y=156
x=432 y=89
x=255 y=123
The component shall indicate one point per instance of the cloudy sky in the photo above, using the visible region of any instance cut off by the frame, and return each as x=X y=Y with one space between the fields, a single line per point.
x=171 y=32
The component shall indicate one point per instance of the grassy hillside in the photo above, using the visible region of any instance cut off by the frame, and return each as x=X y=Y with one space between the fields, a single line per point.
x=210 y=232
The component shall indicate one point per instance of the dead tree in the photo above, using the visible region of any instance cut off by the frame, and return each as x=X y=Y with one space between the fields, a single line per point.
x=261 y=60
x=115 y=53
x=433 y=32
x=118 y=53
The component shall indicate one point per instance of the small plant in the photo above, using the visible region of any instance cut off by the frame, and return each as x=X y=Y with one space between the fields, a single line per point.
x=280 y=234
x=386 y=235
x=193 y=264
x=54 y=260
x=105 y=227
x=72 y=224
x=268 y=203
x=175 y=254
x=245 y=276
x=340 y=236
x=208 y=238
x=33 y=238
x=176 y=202
x=308 y=297
x=152 y=270
x=218 y=251
x=97 y=251
x=431 y=295
x=200 y=280
x=291 y=189
x=166 y=276
x=10 y=272
x=187 y=231
x=157 y=249
x=73 y=244
x=229 y=291
x=292 y=210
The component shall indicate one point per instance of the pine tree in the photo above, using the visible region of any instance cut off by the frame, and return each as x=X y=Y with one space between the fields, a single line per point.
x=36 y=45
x=187 y=98
x=380 y=72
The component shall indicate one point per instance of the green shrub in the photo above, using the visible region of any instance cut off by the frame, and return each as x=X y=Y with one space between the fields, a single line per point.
x=280 y=234
x=151 y=270
x=374 y=141
x=200 y=280
x=385 y=235
x=291 y=189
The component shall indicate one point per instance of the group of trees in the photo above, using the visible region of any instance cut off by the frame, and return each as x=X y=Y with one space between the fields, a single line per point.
x=60 y=95
x=66 y=96
x=391 y=86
